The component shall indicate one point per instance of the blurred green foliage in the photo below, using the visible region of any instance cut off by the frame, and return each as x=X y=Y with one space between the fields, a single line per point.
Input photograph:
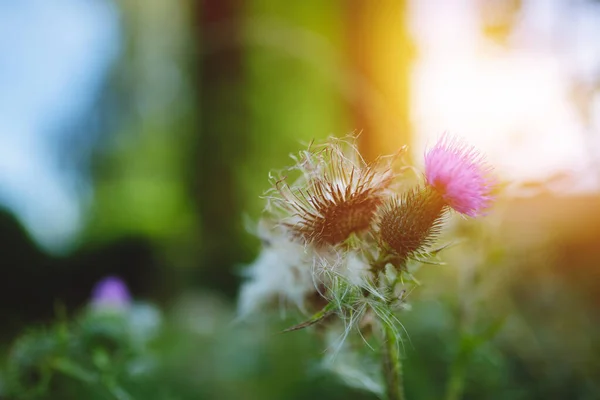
x=194 y=353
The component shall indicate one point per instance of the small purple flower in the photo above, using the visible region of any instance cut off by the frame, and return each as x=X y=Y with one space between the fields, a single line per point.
x=460 y=175
x=111 y=293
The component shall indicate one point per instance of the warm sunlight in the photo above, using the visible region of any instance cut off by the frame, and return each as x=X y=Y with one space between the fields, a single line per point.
x=515 y=103
x=509 y=105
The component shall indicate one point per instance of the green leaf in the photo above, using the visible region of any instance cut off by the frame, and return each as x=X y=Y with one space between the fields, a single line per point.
x=74 y=370
x=319 y=316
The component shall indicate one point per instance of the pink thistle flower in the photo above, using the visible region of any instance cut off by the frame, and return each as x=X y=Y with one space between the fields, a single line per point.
x=460 y=175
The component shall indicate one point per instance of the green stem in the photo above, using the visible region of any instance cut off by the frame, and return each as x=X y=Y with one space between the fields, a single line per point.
x=392 y=366
x=456 y=382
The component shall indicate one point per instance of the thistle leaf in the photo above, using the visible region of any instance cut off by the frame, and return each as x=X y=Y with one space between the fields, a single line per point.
x=317 y=317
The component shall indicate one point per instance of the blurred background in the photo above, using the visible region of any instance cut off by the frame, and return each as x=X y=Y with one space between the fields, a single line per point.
x=137 y=136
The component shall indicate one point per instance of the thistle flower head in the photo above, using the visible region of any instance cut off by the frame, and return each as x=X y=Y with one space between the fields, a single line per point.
x=111 y=293
x=410 y=223
x=336 y=195
x=349 y=269
x=460 y=175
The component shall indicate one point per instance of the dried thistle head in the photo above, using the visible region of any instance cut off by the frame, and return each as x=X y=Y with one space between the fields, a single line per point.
x=407 y=225
x=336 y=195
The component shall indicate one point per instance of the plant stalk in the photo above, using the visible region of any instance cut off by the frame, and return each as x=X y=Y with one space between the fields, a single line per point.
x=456 y=383
x=392 y=366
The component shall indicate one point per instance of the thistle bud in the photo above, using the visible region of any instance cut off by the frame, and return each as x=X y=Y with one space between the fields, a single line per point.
x=410 y=223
